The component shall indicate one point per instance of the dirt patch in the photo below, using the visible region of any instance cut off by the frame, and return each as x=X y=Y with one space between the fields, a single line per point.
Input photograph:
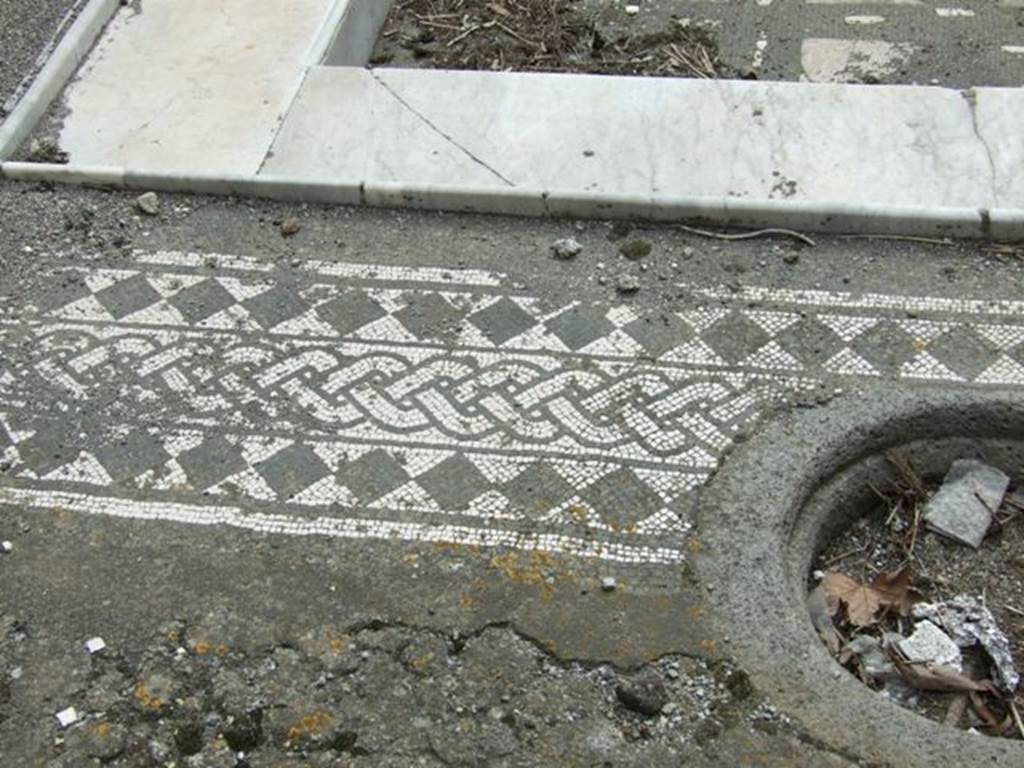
x=893 y=546
x=541 y=36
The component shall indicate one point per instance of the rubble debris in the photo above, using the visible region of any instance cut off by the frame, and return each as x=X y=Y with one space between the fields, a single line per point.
x=67 y=717
x=148 y=203
x=963 y=507
x=969 y=622
x=290 y=226
x=566 y=249
x=875 y=665
x=928 y=643
x=95 y=645
x=634 y=250
x=646 y=696
x=626 y=283
x=608 y=584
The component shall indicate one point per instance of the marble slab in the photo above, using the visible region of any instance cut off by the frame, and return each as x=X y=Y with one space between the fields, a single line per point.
x=190 y=85
x=663 y=138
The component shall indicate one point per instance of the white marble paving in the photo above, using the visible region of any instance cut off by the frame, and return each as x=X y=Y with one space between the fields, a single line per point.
x=190 y=84
x=659 y=137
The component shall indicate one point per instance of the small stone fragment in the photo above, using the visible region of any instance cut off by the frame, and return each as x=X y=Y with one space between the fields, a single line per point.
x=967 y=621
x=566 y=249
x=6 y=547
x=626 y=283
x=148 y=203
x=929 y=643
x=95 y=645
x=874 y=661
x=290 y=226
x=634 y=250
x=608 y=584
x=963 y=507
x=67 y=717
x=646 y=696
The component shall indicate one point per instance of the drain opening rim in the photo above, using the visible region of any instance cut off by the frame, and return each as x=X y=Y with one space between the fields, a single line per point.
x=762 y=518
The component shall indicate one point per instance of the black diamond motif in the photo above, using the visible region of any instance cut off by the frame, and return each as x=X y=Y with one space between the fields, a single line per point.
x=454 y=482
x=128 y=296
x=810 y=341
x=132 y=455
x=621 y=499
x=350 y=311
x=503 y=320
x=537 y=490
x=202 y=300
x=580 y=326
x=49 y=448
x=60 y=290
x=964 y=351
x=274 y=307
x=659 y=333
x=373 y=475
x=735 y=337
x=292 y=470
x=211 y=462
x=428 y=316
x=886 y=346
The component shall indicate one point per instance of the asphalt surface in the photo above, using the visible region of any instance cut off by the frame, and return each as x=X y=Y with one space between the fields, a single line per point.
x=28 y=30
x=128 y=412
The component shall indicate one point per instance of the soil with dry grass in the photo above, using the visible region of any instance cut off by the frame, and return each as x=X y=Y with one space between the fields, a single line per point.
x=893 y=538
x=540 y=36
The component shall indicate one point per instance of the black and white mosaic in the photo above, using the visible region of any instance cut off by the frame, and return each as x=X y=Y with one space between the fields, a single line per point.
x=359 y=401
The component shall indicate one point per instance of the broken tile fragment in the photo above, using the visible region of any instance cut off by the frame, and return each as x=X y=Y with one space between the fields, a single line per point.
x=929 y=643
x=964 y=506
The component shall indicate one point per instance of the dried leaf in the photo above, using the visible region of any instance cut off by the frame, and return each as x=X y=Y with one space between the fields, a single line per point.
x=937 y=677
x=896 y=592
x=864 y=601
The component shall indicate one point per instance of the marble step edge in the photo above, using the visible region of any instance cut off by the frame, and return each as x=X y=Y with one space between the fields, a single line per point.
x=809 y=216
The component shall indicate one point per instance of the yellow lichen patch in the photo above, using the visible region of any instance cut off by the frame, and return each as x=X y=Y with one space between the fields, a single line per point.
x=578 y=512
x=102 y=729
x=532 y=569
x=468 y=602
x=174 y=636
x=411 y=559
x=709 y=645
x=200 y=647
x=420 y=663
x=310 y=726
x=694 y=545
x=146 y=700
x=697 y=612
x=222 y=650
x=338 y=644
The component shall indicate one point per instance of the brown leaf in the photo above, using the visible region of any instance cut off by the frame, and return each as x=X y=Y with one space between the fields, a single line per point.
x=895 y=590
x=937 y=677
x=862 y=601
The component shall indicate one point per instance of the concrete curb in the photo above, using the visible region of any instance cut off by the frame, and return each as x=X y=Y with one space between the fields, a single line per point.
x=61 y=65
x=780 y=496
x=837 y=217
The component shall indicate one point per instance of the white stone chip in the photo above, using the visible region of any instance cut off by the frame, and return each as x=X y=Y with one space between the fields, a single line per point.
x=632 y=10
x=929 y=643
x=6 y=546
x=95 y=644
x=67 y=717
x=608 y=584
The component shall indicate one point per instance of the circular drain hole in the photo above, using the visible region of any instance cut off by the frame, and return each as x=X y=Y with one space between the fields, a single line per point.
x=790 y=492
x=920 y=597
